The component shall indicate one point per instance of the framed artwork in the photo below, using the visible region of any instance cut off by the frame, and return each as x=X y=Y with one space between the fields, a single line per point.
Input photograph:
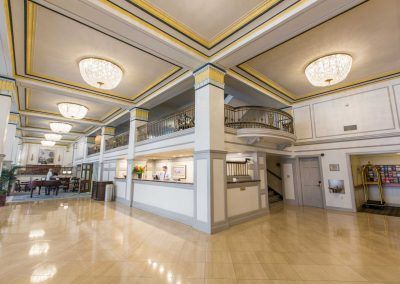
x=336 y=186
x=179 y=172
x=46 y=156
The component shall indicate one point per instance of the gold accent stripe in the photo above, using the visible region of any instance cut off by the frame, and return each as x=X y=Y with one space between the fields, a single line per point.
x=30 y=34
x=258 y=75
x=9 y=35
x=182 y=28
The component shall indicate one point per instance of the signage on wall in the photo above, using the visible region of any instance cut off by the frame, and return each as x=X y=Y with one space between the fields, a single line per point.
x=334 y=167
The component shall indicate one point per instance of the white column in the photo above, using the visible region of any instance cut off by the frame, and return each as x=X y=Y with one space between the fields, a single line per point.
x=138 y=117
x=10 y=145
x=210 y=156
x=260 y=173
x=106 y=133
x=6 y=89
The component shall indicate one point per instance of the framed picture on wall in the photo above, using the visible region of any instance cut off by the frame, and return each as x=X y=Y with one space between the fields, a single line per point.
x=179 y=172
x=336 y=186
x=46 y=156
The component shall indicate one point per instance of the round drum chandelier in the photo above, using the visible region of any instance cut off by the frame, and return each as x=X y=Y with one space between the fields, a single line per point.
x=60 y=127
x=47 y=143
x=52 y=137
x=71 y=110
x=100 y=73
x=329 y=70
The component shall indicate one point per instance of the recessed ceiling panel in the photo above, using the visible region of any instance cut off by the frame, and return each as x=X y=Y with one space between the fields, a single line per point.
x=56 y=43
x=370 y=33
x=45 y=101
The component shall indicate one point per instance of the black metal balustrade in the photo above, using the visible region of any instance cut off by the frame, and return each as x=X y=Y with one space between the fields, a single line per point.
x=239 y=117
x=237 y=168
x=258 y=117
x=173 y=123
x=94 y=149
x=117 y=141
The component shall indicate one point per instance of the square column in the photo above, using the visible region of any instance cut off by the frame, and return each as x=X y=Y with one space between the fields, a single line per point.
x=260 y=173
x=106 y=133
x=209 y=156
x=10 y=145
x=138 y=117
x=6 y=89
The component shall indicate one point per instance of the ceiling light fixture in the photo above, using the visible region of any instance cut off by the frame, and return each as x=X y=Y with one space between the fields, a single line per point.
x=71 y=110
x=329 y=70
x=60 y=127
x=47 y=143
x=52 y=137
x=100 y=73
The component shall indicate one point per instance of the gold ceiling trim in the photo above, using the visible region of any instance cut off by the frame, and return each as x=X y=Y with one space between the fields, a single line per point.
x=30 y=40
x=156 y=31
x=182 y=28
x=7 y=85
x=261 y=77
x=335 y=88
x=9 y=35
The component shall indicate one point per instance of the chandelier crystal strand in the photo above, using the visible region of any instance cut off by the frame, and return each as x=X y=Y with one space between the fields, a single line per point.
x=100 y=73
x=71 y=110
x=52 y=137
x=47 y=143
x=329 y=70
x=60 y=127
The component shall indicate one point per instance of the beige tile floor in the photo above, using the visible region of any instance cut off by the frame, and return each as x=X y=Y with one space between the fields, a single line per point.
x=81 y=241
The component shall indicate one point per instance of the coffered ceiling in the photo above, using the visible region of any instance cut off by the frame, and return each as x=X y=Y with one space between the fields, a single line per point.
x=369 y=32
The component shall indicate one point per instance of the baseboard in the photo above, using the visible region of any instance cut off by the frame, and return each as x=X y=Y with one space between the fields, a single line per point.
x=219 y=226
x=339 y=209
x=123 y=201
x=234 y=220
x=187 y=220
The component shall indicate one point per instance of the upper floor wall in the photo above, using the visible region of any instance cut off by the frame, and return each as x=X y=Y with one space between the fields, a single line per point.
x=363 y=112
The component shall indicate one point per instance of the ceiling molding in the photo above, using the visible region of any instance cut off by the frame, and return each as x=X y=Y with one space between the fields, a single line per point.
x=28 y=82
x=60 y=118
x=164 y=18
x=44 y=130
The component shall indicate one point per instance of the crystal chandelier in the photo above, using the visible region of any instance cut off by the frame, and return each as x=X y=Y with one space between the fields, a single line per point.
x=71 y=110
x=52 y=137
x=47 y=143
x=329 y=70
x=60 y=127
x=100 y=73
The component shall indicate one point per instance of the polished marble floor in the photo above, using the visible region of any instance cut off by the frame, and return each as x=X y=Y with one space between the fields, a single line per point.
x=82 y=241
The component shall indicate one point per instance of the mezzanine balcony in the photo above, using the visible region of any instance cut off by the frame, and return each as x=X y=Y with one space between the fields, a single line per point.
x=117 y=141
x=252 y=123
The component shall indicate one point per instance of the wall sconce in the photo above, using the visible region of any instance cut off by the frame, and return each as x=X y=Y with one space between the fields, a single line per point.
x=59 y=158
x=32 y=157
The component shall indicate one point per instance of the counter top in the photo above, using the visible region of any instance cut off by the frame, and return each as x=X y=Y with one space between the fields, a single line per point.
x=243 y=181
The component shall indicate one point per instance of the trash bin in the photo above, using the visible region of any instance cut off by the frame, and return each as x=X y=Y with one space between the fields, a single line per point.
x=109 y=192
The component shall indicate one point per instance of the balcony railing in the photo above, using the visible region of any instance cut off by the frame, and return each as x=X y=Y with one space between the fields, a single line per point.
x=173 y=123
x=239 y=117
x=258 y=117
x=93 y=149
x=117 y=141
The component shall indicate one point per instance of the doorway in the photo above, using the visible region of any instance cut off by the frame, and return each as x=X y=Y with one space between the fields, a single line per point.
x=311 y=182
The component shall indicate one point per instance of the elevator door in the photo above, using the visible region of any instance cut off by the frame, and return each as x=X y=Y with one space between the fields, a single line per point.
x=311 y=182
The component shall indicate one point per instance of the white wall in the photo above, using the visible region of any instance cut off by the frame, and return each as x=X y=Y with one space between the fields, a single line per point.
x=319 y=126
x=30 y=154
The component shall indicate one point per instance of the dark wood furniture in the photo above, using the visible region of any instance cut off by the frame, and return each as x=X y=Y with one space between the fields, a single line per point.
x=49 y=185
x=99 y=190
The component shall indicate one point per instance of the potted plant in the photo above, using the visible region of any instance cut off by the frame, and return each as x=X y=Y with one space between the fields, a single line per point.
x=139 y=170
x=7 y=179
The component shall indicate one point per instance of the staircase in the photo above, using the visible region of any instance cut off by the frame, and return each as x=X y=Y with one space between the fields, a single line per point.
x=273 y=196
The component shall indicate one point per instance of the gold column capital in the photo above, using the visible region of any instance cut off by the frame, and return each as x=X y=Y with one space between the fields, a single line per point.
x=7 y=85
x=209 y=74
x=13 y=118
x=109 y=130
x=139 y=114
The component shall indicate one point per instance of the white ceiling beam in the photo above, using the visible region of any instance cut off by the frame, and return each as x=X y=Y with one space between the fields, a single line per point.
x=67 y=91
x=43 y=130
x=59 y=117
